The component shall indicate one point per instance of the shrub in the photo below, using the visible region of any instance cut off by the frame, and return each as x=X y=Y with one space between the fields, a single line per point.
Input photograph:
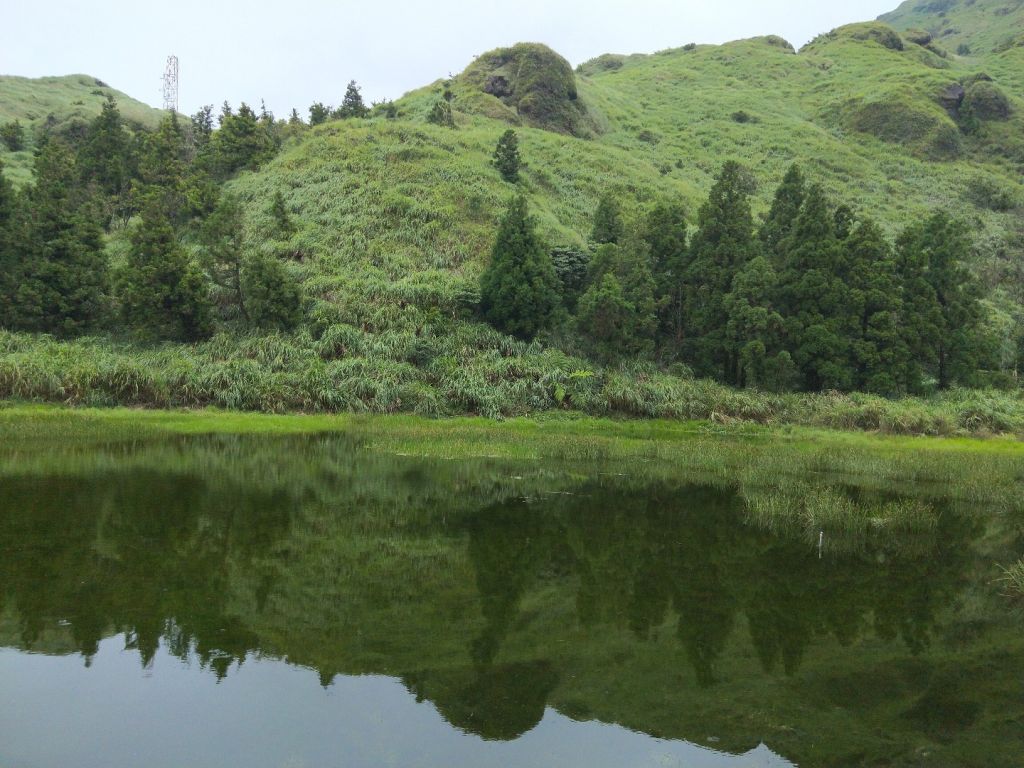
x=987 y=101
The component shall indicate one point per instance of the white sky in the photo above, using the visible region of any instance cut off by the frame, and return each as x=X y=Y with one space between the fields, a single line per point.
x=295 y=52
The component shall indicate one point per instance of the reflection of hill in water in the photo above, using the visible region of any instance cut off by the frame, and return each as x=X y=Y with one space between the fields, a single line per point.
x=654 y=604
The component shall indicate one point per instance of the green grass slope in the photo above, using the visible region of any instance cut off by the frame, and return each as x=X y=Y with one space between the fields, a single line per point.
x=60 y=101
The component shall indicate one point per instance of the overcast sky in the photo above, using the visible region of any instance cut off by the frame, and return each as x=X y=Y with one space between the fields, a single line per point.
x=295 y=52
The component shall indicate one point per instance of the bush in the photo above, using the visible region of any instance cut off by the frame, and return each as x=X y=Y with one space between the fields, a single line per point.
x=987 y=192
x=986 y=101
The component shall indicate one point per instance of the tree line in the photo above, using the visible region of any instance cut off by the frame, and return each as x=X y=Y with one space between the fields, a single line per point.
x=188 y=264
x=814 y=298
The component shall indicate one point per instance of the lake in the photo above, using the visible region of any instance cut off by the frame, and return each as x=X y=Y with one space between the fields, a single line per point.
x=307 y=601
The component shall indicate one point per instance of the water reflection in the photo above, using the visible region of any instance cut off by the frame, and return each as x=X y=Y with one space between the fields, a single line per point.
x=495 y=592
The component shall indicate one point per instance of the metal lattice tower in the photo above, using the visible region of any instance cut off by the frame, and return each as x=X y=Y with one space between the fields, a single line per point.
x=171 y=84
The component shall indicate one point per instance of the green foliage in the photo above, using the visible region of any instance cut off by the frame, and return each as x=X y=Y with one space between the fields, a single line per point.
x=571 y=266
x=352 y=105
x=664 y=234
x=59 y=277
x=616 y=315
x=319 y=114
x=535 y=82
x=273 y=297
x=506 y=157
x=722 y=246
x=243 y=142
x=12 y=135
x=163 y=294
x=608 y=226
x=441 y=114
x=986 y=101
x=518 y=290
x=282 y=218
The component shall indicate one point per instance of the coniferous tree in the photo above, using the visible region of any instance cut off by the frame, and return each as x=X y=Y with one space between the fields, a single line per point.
x=163 y=294
x=942 y=313
x=274 y=297
x=352 y=104
x=723 y=245
x=778 y=224
x=878 y=349
x=506 y=156
x=665 y=237
x=319 y=114
x=815 y=299
x=282 y=219
x=8 y=240
x=103 y=159
x=244 y=142
x=223 y=246
x=608 y=227
x=163 y=170
x=628 y=297
x=571 y=267
x=202 y=127
x=755 y=331
x=519 y=287
x=60 y=269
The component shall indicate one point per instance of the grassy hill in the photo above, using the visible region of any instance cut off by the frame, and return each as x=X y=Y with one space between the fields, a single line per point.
x=58 y=101
x=395 y=217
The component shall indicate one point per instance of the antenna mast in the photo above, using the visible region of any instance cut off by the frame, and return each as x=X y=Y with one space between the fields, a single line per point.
x=171 y=84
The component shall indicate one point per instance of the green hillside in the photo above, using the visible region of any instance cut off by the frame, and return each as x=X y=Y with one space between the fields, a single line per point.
x=394 y=215
x=58 y=102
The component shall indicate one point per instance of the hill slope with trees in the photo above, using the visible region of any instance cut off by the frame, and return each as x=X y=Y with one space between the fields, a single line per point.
x=386 y=218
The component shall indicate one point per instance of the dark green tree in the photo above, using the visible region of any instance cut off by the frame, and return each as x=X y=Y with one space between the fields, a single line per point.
x=222 y=237
x=756 y=331
x=60 y=270
x=244 y=142
x=103 y=159
x=608 y=227
x=878 y=349
x=319 y=114
x=163 y=171
x=163 y=294
x=282 y=219
x=9 y=261
x=571 y=267
x=12 y=135
x=942 y=315
x=665 y=236
x=723 y=245
x=202 y=127
x=628 y=298
x=815 y=299
x=352 y=104
x=519 y=288
x=778 y=224
x=273 y=295
x=506 y=156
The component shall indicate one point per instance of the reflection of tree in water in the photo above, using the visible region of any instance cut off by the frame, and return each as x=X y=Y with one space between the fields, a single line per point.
x=146 y=554
x=642 y=556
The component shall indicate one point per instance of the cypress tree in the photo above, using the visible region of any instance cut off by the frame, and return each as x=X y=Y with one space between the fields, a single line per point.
x=352 y=104
x=519 y=287
x=319 y=114
x=244 y=142
x=8 y=239
x=756 y=331
x=722 y=246
x=778 y=224
x=223 y=247
x=282 y=219
x=163 y=294
x=878 y=349
x=506 y=156
x=942 y=311
x=665 y=237
x=274 y=297
x=604 y=318
x=60 y=270
x=608 y=226
x=103 y=158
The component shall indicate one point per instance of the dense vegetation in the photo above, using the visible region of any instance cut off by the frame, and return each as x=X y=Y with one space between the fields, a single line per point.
x=628 y=269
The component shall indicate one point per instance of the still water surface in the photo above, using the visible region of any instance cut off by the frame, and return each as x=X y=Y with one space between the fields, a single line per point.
x=304 y=602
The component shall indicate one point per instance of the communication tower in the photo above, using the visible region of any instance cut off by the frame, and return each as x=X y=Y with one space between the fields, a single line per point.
x=171 y=84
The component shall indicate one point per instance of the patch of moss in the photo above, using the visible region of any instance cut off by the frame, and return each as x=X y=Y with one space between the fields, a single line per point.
x=927 y=132
x=987 y=101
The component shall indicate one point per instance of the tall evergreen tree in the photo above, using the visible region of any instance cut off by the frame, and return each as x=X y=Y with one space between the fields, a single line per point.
x=755 y=331
x=60 y=270
x=163 y=171
x=629 y=297
x=722 y=246
x=519 y=287
x=352 y=104
x=244 y=142
x=8 y=258
x=282 y=219
x=223 y=246
x=608 y=227
x=942 y=312
x=878 y=349
x=319 y=114
x=815 y=299
x=778 y=224
x=506 y=156
x=665 y=236
x=273 y=295
x=163 y=294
